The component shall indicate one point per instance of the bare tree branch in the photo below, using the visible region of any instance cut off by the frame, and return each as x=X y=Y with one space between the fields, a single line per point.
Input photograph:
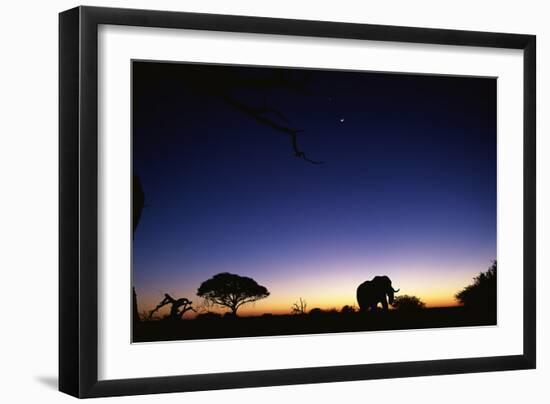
x=175 y=311
x=256 y=113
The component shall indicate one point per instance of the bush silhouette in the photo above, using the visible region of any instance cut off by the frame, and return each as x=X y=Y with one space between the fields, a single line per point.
x=347 y=309
x=316 y=311
x=408 y=303
x=481 y=295
x=209 y=315
x=231 y=291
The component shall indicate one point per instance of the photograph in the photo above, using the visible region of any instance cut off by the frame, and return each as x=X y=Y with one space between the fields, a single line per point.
x=272 y=201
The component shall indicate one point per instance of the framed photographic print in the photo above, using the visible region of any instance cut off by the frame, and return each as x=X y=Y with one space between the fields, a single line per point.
x=274 y=201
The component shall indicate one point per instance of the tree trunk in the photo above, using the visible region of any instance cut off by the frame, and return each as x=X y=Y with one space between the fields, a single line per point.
x=135 y=307
x=135 y=315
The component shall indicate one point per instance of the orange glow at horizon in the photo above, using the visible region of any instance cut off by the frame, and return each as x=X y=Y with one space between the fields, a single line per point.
x=332 y=289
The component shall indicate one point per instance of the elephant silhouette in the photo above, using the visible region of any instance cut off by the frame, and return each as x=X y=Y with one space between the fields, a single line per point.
x=377 y=290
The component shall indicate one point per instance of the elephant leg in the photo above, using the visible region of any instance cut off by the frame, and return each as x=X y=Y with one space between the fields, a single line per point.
x=373 y=307
x=385 y=305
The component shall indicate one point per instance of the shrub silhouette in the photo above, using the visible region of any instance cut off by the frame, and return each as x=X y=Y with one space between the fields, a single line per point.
x=316 y=311
x=481 y=295
x=408 y=303
x=231 y=291
x=347 y=309
x=209 y=315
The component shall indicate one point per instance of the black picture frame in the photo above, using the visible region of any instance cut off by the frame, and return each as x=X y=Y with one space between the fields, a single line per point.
x=78 y=201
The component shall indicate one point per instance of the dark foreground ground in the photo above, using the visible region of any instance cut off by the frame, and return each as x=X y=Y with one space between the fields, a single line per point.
x=270 y=325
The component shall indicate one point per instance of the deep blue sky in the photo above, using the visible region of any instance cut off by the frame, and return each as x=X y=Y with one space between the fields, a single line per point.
x=407 y=188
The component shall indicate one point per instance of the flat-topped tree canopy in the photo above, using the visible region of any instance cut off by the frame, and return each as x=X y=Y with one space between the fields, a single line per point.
x=231 y=290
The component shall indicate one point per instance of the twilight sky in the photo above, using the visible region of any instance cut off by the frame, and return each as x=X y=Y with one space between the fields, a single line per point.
x=407 y=188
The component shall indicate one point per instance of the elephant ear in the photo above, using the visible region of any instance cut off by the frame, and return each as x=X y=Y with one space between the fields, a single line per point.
x=387 y=282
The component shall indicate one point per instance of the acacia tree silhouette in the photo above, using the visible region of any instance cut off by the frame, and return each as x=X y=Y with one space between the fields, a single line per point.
x=231 y=291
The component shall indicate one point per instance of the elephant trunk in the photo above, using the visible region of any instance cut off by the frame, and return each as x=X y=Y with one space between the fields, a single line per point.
x=395 y=291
